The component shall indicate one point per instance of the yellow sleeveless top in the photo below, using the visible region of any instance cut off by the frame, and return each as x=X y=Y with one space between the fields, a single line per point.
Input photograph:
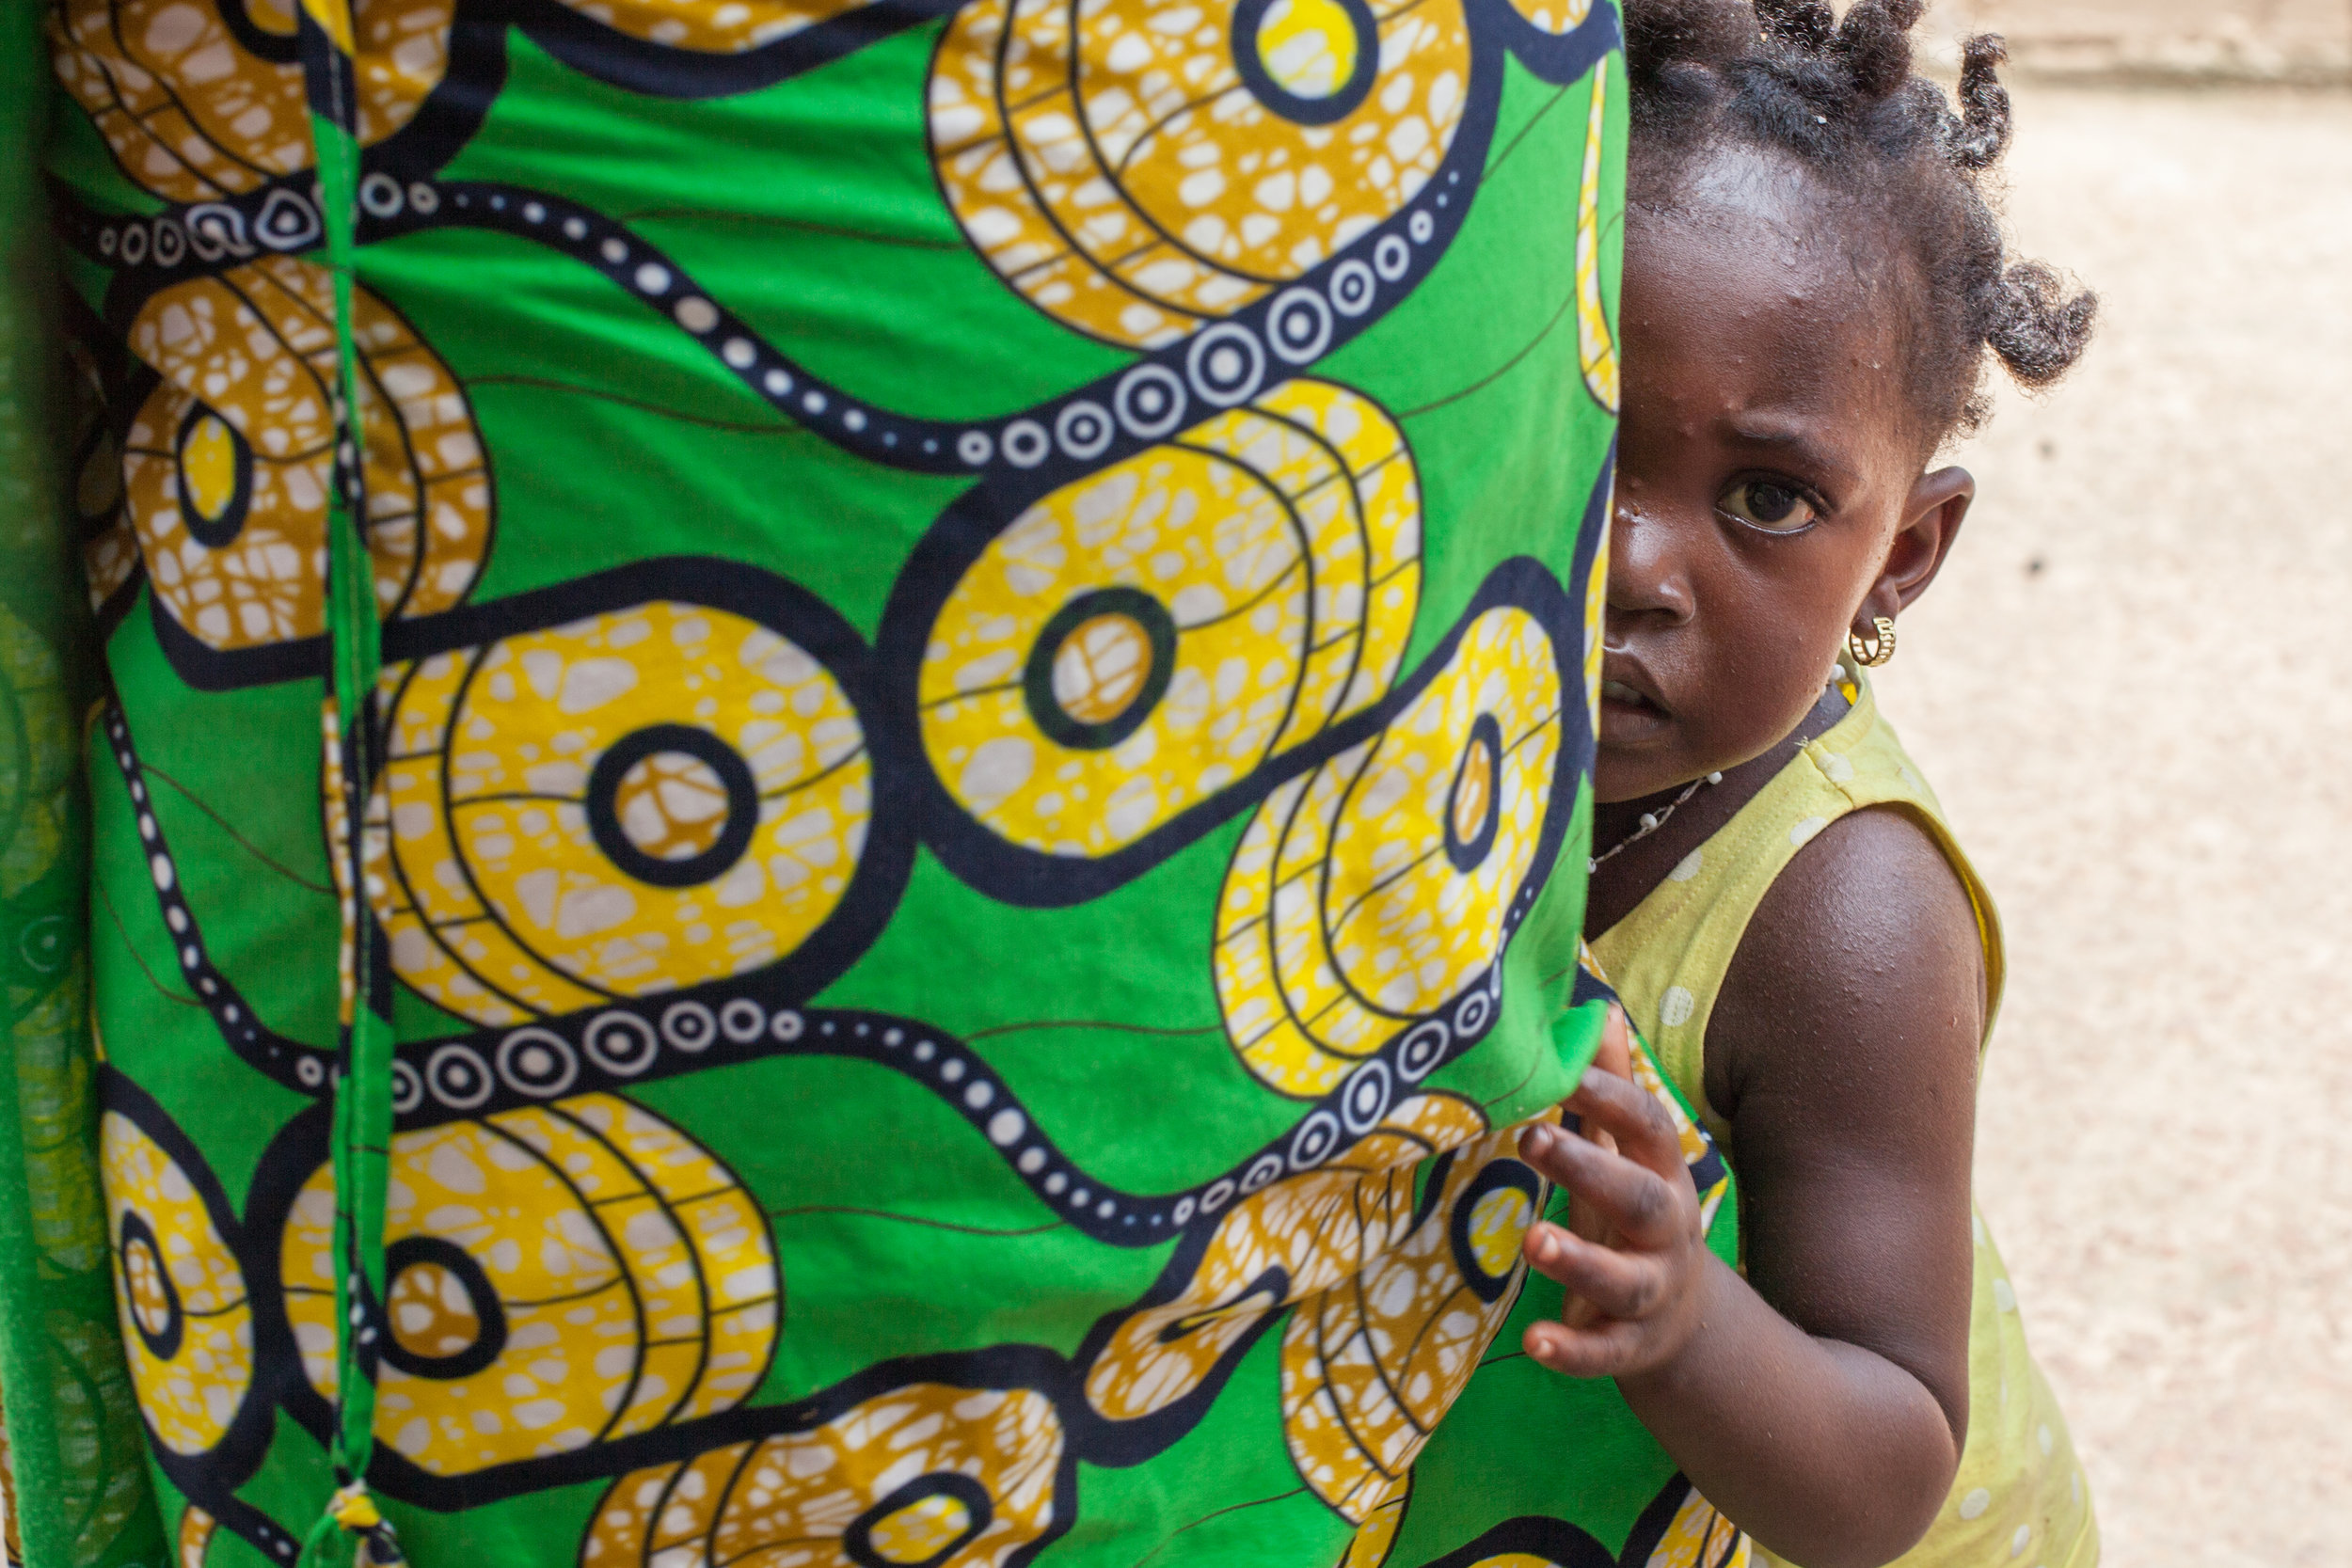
x=2020 y=1496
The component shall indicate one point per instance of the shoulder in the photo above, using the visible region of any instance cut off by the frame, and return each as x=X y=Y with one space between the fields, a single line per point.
x=1861 y=974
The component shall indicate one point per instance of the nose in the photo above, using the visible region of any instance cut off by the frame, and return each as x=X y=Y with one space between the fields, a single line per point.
x=1646 y=575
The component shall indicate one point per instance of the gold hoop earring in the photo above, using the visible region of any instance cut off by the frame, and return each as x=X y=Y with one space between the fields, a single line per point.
x=1878 y=648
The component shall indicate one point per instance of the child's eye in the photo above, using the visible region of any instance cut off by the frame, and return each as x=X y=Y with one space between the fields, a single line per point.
x=1768 y=504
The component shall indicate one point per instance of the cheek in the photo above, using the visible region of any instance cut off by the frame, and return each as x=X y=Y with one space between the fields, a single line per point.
x=1768 y=652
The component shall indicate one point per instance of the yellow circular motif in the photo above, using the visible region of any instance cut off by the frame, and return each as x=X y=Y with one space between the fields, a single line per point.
x=1374 y=889
x=518 y=874
x=209 y=455
x=1597 y=349
x=922 y=1529
x=188 y=1325
x=195 y=1542
x=431 y=1311
x=1558 y=17
x=228 y=464
x=1498 y=1222
x=559 y=1276
x=191 y=116
x=1375 y=1537
x=1700 y=1536
x=1308 y=47
x=1473 y=794
x=1114 y=166
x=1596 y=608
x=926 y=1472
x=1317 y=1229
x=712 y=27
x=146 y=1295
x=1138 y=640
x=1370 y=1365
x=1101 y=668
x=672 y=806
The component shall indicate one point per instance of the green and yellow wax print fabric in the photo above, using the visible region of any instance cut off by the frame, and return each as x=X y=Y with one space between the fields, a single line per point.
x=837 y=806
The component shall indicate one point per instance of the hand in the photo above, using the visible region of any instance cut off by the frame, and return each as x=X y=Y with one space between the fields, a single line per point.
x=1634 y=1259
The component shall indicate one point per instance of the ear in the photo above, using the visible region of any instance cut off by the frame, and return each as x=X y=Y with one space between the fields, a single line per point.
x=1933 y=514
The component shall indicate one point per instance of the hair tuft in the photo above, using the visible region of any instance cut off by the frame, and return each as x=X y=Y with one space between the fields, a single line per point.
x=1984 y=115
x=1841 y=98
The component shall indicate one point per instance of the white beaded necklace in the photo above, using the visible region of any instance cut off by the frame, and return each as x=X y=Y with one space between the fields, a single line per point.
x=1653 y=820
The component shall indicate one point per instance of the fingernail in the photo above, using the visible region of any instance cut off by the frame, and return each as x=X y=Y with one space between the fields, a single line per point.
x=1540 y=1138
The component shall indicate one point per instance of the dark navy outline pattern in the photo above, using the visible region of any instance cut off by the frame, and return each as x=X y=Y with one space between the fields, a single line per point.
x=659 y=71
x=306 y=1069
x=791 y=612
x=1558 y=1541
x=1249 y=16
x=1038 y=878
x=211 y=1478
x=751 y=1017
x=299 y=1150
x=397 y=196
x=283 y=216
x=1024 y=454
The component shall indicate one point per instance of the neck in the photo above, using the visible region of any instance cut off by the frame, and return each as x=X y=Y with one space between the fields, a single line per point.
x=1626 y=878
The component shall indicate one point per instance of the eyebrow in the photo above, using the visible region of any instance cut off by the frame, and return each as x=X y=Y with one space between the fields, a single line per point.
x=1770 y=432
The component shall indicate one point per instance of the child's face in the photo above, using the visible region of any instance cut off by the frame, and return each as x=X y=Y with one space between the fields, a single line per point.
x=1768 y=489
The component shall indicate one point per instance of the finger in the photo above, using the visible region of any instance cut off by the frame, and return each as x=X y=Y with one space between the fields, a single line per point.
x=1615 y=1055
x=1609 y=1349
x=1644 y=1208
x=1614 y=1284
x=1631 y=1114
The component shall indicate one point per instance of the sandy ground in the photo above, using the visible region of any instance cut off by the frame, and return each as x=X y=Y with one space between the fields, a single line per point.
x=2133 y=687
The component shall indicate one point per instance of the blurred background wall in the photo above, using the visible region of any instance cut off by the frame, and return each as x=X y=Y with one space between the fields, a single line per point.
x=2269 y=41
x=2133 y=687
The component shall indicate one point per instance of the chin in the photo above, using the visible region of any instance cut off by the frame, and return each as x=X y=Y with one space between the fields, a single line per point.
x=1632 y=775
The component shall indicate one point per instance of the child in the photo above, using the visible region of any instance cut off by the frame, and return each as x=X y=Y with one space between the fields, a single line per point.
x=1812 y=278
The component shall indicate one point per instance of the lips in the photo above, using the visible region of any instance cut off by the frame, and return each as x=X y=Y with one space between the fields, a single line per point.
x=1618 y=691
x=1630 y=712
x=1624 y=682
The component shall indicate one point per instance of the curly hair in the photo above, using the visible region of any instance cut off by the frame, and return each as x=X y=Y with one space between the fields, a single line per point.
x=1786 y=76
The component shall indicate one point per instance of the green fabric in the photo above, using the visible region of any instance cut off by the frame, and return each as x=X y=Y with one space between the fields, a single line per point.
x=970 y=829
x=73 y=1426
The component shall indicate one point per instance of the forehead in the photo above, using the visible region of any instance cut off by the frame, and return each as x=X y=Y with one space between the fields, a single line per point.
x=1757 y=288
x=1752 y=234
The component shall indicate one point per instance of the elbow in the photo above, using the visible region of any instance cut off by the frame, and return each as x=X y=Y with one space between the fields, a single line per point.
x=1883 y=1526
x=1915 y=1496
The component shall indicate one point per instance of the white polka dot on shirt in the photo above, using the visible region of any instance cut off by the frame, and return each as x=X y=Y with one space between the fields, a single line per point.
x=2004 y=1295
x=2044 y=1434
x=1802 y=832
x=2017 y=1541
x=1975 y=1503
x=1688 y=866
x=1675 y=1007
x=1837 y=765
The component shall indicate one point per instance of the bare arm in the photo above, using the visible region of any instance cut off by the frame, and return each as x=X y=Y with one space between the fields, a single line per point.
x=1821 y=1402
